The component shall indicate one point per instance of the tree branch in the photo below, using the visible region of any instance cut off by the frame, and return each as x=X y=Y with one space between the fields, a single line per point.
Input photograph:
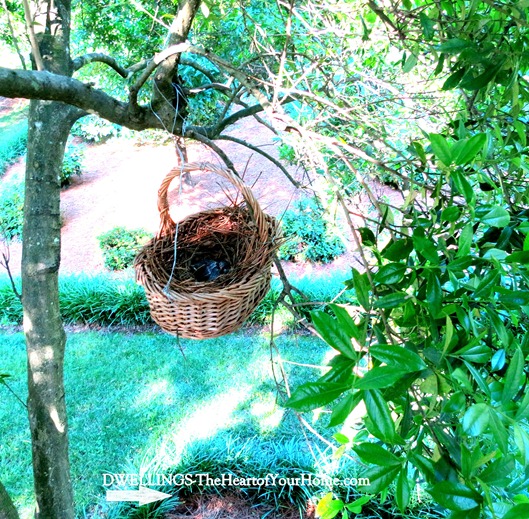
x=264 y=154
x=33 y=40
x=188 y=62
x=193 y=134
x=93 y=57
x=44 y=85
x=13 y=35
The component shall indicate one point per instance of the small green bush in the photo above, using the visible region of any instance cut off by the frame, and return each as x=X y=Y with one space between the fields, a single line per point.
x=94 y=129
x=12 y=210
x=309 y=236
x=120 y=246
x=72 y=165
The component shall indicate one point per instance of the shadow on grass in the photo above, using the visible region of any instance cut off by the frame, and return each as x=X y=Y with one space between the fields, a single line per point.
x=138 y=401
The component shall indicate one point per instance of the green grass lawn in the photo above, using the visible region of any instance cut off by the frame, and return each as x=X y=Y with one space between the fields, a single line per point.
x=13 y=129
x=135 y=400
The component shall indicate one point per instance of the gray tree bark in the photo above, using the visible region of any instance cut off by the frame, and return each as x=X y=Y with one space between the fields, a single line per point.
x=50 y=122
x=49 y=127
x=7 y=508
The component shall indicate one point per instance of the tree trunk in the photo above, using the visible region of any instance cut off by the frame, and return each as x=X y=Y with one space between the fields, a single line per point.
x=49 y=127
x=7 y=508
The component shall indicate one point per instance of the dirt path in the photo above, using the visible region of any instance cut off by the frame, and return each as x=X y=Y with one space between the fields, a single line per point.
x=120 y=183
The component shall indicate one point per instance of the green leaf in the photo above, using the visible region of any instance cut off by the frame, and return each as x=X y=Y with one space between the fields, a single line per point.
x=523 y=409
x=380 y=478
x=475 y=83
x=392 y=300
x=498 y=326
x=347 y=323
x=514 y=377
x=356 y=506
x=451 y=214
x=344 y=408
x=521 y=439
x=469 y=149
x=513 y=298
x=312 y=395
x=411 y=61
x=398 y=357
x=361 y=285
x=390 y=274
x=333 y=334
x=376 y=455
x=454 y=46
x=328 y=507
x=463 y=187
x=465 y=241
x=478 y=353
x=476 y=375
x=378 y=412
x=499 y=431
x=380 y=377
x=427 y=25
x=434 y=294
x=341 y=438
x=455 y=496
x=499 y=471
x=520 y=511
x=402 y=493
x=454 y=79
x=441 y=148
x=496 y=217
x=368 y=237
x=521 y=256
x=476 y=419
x=398 y=250
x=487 y=284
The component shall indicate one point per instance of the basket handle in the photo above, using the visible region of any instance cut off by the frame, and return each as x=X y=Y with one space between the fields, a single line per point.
x=166 y=222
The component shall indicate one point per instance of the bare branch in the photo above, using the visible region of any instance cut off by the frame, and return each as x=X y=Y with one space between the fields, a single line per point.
x=32 y=38
x=4 y=262
x=192 y=134
x=209 y=86
x=188 y=62
x=264 y=154
x=153 y=17
x=241 y=114
x=93 y=57
x=13 y=35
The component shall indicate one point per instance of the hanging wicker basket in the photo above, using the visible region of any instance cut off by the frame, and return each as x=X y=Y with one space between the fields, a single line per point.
x=241 y=239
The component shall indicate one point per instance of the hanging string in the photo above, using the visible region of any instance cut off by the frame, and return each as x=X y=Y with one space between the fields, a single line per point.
x=179 y=94
x=175 y=244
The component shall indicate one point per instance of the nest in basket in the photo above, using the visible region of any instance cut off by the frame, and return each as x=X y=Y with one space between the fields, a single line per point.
x=215 y=249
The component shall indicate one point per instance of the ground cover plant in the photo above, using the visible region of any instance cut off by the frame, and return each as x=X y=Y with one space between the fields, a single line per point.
x=107 y=300
x=137 y=399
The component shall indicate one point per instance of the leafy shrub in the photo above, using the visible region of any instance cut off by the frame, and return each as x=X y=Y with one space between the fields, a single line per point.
x=12 y=210
x=72 y=165
x=120 y=246
x=309 y=236
x=94 y=129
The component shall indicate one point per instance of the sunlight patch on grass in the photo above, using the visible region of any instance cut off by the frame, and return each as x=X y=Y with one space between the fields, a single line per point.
x=154 y=390
x=211 y=418
x=268 y=413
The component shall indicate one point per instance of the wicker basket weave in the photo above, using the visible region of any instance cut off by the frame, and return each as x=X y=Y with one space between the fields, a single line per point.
x=200 y=310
